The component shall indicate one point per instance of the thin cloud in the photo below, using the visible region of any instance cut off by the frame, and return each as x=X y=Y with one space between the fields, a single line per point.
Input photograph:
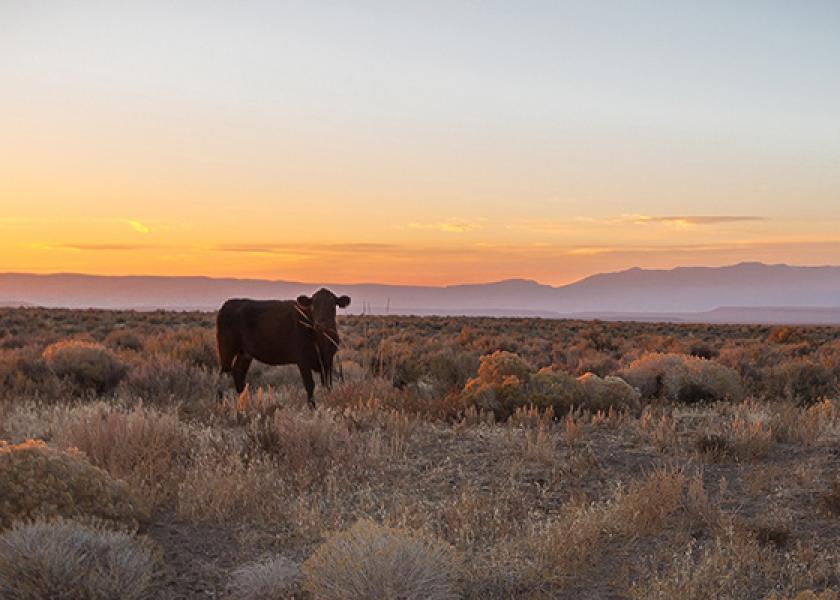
x=137 y=226
x=573 y=225
x=698 y=219
x=359 y=250
x=452 y=226
x=101 y=247
x=307 y=249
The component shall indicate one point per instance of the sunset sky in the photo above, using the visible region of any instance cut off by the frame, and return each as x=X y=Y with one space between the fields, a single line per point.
x=424 y=142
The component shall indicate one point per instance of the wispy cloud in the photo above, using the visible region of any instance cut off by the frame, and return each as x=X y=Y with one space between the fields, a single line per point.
x=357 y=250
x=306 y=249
x=590 y=251
x=137 y=226
x=573 y=225
x=697 y=219
x=92 y=247
x=450 y=226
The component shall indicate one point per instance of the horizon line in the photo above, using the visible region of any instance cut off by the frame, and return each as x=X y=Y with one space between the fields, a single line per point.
x=439 y=286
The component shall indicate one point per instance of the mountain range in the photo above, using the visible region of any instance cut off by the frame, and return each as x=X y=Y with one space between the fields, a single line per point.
x=746 y=292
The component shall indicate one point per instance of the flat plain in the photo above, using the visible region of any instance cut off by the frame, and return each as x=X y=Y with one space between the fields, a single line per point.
x=454 y=457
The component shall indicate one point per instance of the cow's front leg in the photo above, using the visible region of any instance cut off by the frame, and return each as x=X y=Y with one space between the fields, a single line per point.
x=240 y=370
x=308 y=383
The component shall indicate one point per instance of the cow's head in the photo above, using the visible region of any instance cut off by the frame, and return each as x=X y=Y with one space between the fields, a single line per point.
x=323 y=304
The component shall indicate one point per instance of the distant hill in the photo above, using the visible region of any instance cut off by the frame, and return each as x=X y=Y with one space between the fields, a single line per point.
x=758 y=293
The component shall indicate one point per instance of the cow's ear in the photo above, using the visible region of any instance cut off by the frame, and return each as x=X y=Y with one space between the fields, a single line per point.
x=305 y=301
x=342 y=301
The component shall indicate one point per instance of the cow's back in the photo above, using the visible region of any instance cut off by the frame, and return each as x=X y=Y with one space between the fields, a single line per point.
x=263 y=329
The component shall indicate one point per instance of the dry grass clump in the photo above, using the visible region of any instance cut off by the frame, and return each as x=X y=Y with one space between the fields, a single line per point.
x=808 y=595
x=162 y=378
x=39 y=481
x=738 y=438
x=195 y=347
x=89 y=365
x=63 y=560
x=272 y=578
x=660 y=430
x=307 y=444
x=803 y=425
x=682 y=378
x=371 y=561
x=145 y=447
x=732 y=567
x=646 y=506
x=224 y=488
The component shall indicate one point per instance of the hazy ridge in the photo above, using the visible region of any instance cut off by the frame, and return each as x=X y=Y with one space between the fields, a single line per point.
x=746 y=292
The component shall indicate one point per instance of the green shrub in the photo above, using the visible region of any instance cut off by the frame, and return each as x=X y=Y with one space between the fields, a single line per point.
x=40 y=482
x=63 y=560
x=370 y=562
x=89 y=365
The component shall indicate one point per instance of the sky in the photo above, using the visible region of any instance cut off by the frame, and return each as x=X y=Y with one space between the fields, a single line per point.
x=417 y=142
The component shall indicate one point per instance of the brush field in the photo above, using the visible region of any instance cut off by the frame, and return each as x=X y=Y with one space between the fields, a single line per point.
x=455 y=458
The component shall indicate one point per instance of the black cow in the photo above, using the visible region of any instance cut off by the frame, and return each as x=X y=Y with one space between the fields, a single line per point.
x=302 y=332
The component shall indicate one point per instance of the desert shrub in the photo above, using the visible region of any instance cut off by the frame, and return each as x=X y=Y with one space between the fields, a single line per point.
x=499 y=385
x=784 y=334
x=682 y=378
x=599 y=363
x=501 y=365
x=370 y=561
x=603 y=393
x=24 y=372
x=453 y=369
x=269 y=579
x=63 y=560
x=555 y=389
x=143 y=446
x=89 y=365
x=39 y=481
x=702 y=350
x=124 y=339
x=189 y=345
x=160 y=378
x=802 y=380
x=505 y=383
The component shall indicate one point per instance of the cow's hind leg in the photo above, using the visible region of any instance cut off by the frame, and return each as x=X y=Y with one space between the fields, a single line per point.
x=240 y=370
x=308 y=383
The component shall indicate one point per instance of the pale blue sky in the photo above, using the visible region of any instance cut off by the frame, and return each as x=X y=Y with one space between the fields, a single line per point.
x=488 y=114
